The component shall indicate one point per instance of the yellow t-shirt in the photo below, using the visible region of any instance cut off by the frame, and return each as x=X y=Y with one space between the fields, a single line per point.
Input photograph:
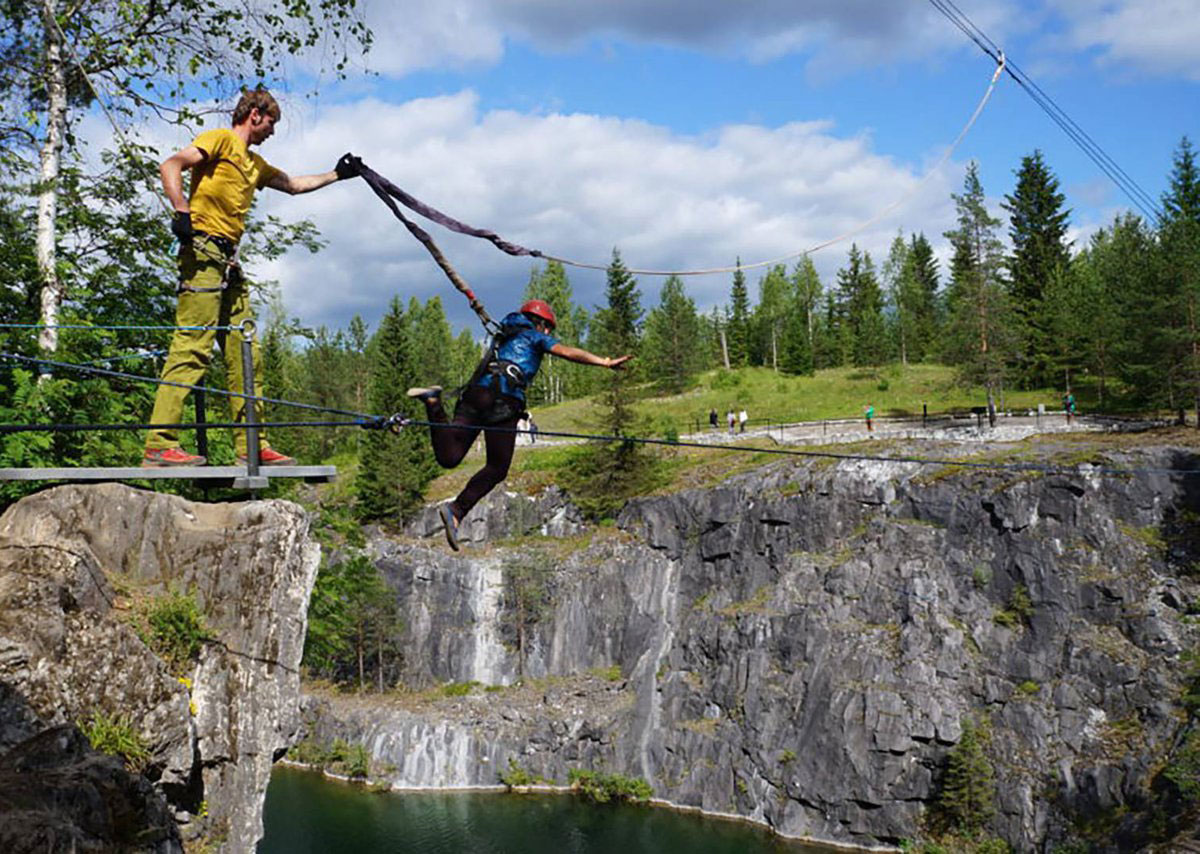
x=223 y=184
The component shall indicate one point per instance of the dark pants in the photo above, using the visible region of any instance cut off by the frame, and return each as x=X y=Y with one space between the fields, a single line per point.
x=477 y=407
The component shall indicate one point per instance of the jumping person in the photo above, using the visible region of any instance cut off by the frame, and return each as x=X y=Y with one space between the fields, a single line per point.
x=212 y=292
x=495 y=397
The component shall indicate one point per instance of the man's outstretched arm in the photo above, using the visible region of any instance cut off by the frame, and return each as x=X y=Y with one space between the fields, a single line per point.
x=347 y=167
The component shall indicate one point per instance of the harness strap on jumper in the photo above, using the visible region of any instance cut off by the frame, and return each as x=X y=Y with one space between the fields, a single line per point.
x=381 y=187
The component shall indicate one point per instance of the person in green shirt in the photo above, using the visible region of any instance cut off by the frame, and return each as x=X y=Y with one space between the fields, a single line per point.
x=870 y=413
x=208 y=222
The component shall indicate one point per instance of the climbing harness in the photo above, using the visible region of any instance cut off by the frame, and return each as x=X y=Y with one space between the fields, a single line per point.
x=231 y=275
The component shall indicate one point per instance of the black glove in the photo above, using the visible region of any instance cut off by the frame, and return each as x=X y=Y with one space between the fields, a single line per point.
x=348 y=166
x=181 y=226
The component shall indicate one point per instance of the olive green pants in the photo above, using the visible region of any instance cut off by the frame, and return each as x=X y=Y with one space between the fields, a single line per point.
x=202 y=265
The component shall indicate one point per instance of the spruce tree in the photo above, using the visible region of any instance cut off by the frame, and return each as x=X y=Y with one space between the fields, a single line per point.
x=803 y=319
x=603 y=475
x=922 y=300
x=1040 y=253
x=670 y=350
x=394 y=469
x=863 y=328
x=1179 y=240
x=737 y=328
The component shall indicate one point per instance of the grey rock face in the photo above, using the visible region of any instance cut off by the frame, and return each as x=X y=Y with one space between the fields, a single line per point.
x=66 y=651
x=803 y=644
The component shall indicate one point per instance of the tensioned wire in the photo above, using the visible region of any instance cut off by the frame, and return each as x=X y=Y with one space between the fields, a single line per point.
x=215 y=327
x=219 y=391
x=384 y=188
x=1140 y=198
x=397 y=422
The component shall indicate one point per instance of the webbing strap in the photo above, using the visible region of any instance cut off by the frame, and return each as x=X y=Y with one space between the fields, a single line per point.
x=385 y=189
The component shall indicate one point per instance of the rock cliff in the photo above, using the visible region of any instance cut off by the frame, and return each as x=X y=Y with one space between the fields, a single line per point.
x=803 y=644
x=71 y=560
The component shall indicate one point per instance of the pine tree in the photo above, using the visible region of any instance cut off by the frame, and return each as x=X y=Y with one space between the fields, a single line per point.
x=1037 y=229
x=980 y=338
x=603 y=475
x=671 y=349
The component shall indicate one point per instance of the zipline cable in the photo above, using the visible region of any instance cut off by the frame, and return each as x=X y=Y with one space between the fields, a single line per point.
x=384 y=188
x=1140 y=198
x=219 y=391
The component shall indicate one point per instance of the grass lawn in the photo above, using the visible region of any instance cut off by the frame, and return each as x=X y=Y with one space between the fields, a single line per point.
x=830 y=394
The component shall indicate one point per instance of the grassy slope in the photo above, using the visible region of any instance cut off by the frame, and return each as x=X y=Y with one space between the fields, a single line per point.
x=831 y=394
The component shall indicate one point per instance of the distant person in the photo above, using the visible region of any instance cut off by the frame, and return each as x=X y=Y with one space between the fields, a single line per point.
x=523 y=427
x=495 y=397
x=533 y=430
x=732 y=419
x=712 y=417
x=742 y=419
x=870 y=413
x=1069 y=406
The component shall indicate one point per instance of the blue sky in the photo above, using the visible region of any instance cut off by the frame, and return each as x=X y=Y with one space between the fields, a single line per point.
x=688 y=134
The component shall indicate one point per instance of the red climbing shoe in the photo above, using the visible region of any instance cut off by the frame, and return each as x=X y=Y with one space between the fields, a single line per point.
x=270 y=457
x=166 y=457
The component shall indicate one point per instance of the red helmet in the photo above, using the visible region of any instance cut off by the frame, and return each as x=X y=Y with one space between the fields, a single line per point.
x=542 y=309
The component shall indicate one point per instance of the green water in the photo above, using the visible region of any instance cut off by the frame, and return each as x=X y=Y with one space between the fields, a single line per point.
x=306 y=813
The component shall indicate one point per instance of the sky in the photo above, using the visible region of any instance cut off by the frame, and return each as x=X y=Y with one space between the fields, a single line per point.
x=689 y=134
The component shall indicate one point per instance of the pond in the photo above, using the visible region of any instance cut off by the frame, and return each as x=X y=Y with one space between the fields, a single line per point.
x=307 y=813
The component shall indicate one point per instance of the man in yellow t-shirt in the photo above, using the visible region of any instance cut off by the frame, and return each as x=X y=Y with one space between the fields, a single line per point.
x=209 y=223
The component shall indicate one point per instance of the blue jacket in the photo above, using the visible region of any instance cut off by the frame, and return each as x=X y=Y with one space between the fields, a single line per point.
x=524 y=348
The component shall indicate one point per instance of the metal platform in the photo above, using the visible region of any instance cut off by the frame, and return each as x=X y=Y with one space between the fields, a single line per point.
x=234 y=477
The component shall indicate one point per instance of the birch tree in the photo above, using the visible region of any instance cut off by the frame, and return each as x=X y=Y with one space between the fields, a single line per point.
x=143 y=58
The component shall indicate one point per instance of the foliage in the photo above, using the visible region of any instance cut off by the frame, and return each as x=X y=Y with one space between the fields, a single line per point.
x=353 y=625
x=1040 y=257
x=117 y=736
x=516 y=775
x=173 y=626
x=601 y=787
x=967 y=800
x=979 y=334
x=528 y=597
x=395 y=468
x=602 y=476
x=672 y=346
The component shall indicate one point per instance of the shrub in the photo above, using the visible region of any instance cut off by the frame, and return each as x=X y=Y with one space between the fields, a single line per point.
x=601 y=787
x=116 y=736
x=173 y=627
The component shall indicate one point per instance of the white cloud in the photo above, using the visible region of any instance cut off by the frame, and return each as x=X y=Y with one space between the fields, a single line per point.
x=576 y=186
x=1156 y=36
x=837 y=34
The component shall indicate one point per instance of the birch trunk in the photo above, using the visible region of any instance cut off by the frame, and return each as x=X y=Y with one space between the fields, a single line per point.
x=51 y=155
